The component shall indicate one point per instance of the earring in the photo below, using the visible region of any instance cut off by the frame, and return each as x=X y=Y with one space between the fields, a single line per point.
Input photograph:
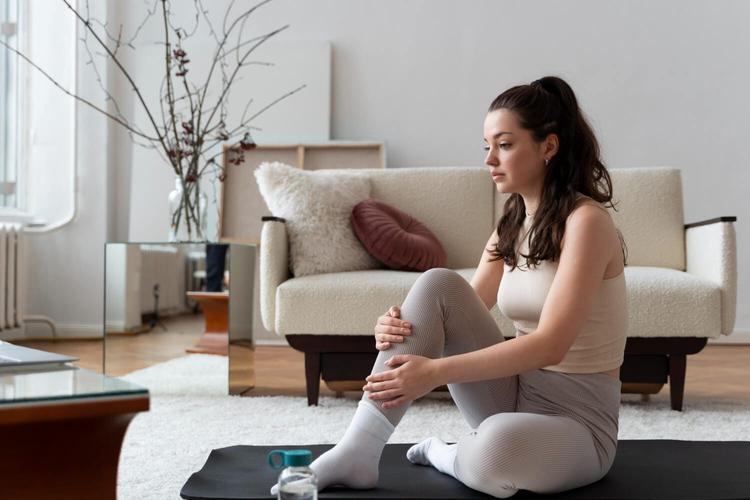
x=546 y=161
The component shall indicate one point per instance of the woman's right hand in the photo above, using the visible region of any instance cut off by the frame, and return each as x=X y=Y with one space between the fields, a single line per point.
x=390 y=328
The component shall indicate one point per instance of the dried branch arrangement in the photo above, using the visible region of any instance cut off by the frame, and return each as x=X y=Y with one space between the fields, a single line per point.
x=190 y=124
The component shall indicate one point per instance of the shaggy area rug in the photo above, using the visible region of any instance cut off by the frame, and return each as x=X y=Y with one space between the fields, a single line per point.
x=191 y=414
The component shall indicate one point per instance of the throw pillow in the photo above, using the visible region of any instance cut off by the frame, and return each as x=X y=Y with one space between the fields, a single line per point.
x=395 y=238
x=316 y=205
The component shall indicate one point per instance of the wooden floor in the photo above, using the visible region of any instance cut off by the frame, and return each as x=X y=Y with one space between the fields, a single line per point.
x=717 y=372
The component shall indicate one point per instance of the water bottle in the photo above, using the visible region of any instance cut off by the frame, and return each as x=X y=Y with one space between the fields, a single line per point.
x=297 y=481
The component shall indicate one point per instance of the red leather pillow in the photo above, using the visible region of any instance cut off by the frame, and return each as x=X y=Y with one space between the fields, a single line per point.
x=395 y=238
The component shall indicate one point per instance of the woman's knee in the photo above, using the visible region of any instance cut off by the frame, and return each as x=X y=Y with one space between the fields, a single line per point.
x=481 y=455
x=438 y=277
x=476 y=466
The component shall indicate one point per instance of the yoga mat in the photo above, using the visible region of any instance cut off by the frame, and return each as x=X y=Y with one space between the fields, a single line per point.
x=643 y=469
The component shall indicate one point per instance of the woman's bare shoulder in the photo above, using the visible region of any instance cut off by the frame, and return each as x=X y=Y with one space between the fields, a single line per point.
x=584 y=200
x=590 y=212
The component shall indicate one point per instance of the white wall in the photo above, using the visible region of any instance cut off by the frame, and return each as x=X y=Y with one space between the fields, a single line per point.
x=663 y=84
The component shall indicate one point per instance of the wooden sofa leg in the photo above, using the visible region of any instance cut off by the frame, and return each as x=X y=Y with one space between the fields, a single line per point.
x=312 y=377
x=677 y=364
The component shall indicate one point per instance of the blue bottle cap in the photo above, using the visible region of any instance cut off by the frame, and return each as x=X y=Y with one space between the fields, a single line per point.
x=290 y=458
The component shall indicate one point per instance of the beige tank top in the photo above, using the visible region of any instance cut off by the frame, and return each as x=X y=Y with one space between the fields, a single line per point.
x=600 y=345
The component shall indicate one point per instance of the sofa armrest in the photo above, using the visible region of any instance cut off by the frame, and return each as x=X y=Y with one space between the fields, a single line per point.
x=711 y=253
x=274 y=266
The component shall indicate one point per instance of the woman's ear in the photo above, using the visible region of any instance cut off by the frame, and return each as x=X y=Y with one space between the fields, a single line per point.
x=551 y=145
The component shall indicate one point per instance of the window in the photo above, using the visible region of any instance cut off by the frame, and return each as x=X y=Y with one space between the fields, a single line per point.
x=37 y=120
x=10 y=99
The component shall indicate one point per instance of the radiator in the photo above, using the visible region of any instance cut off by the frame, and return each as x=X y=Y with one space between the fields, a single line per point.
x=11 y=289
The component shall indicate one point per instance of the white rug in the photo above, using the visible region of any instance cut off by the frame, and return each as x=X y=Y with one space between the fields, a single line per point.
x=191 y=415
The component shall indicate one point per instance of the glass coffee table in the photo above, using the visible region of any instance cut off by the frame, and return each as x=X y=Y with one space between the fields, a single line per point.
x=61 y=432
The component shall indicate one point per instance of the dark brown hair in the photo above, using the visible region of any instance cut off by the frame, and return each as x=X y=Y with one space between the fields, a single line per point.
x=549 y=106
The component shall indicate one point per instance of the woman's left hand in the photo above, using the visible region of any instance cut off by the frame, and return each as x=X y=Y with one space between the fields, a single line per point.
x=414 y=377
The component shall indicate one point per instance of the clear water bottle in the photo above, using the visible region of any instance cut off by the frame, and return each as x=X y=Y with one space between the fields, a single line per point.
x=297 y=481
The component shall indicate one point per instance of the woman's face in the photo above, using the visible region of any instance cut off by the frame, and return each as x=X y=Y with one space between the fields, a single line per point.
x=515 y=159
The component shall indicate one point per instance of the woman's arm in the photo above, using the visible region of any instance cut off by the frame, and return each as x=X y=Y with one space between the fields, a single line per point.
x=487 y=277
x=503 y=359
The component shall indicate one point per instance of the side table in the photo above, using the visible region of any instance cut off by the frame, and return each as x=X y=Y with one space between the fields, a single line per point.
x=148 y=280
x=61 y=432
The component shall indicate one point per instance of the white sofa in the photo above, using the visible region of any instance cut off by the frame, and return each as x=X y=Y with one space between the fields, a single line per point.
x=682 y=279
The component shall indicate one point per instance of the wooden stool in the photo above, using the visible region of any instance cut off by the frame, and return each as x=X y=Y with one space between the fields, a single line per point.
x=215 y=338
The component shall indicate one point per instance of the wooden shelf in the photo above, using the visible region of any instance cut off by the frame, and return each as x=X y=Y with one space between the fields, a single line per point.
x=242 y=206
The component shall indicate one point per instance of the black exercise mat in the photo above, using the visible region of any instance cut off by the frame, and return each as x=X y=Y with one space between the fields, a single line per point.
x=643 y=469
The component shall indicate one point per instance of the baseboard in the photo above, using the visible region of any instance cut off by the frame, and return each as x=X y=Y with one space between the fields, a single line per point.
x=12 y=334
x=80 y=331
x=274 y=342
x=41 y=331
x=738 y=337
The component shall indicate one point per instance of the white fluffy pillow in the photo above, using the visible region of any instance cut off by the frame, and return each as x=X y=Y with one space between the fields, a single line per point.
x=317 y=205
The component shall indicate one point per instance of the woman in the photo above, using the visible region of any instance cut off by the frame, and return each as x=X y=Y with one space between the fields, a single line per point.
x=544 y=406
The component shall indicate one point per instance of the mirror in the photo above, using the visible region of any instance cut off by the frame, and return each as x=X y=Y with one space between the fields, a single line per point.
x=166 y=301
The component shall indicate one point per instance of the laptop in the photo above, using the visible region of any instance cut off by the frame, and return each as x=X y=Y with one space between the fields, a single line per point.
x=16 y=356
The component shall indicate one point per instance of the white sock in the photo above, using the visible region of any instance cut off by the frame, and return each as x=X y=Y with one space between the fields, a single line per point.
x=355 y=460
x=435 y=452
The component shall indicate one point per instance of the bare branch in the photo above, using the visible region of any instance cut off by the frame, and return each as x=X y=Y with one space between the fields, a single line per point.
x=220 y=48
x=98 y=78
x=162 y=99
x=149 y=14
x=239 y=36
x=211 y=162
x=226 y=16
x=237 y=47
x=244 y=123
x=244 y=111
x=229 y=136
x=88 y=26
x=212 y=32
x=185 y=34
x=78 y=98
x=109 y=97
x=118 y=39
x=271 y=104
x=237 y=68
x=170 y=98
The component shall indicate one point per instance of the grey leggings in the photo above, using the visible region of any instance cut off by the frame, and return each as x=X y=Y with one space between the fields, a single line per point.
x=540 y=430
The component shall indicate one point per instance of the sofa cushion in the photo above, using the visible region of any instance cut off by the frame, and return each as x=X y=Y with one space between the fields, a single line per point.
x=652 y=195
x=310 y=304
x=317 y=206
x=661 y=303
x=395 y=238
x=664 y=302
x=454 y=202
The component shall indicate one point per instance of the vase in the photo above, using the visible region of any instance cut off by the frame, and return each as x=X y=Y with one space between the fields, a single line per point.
x=188 y=211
